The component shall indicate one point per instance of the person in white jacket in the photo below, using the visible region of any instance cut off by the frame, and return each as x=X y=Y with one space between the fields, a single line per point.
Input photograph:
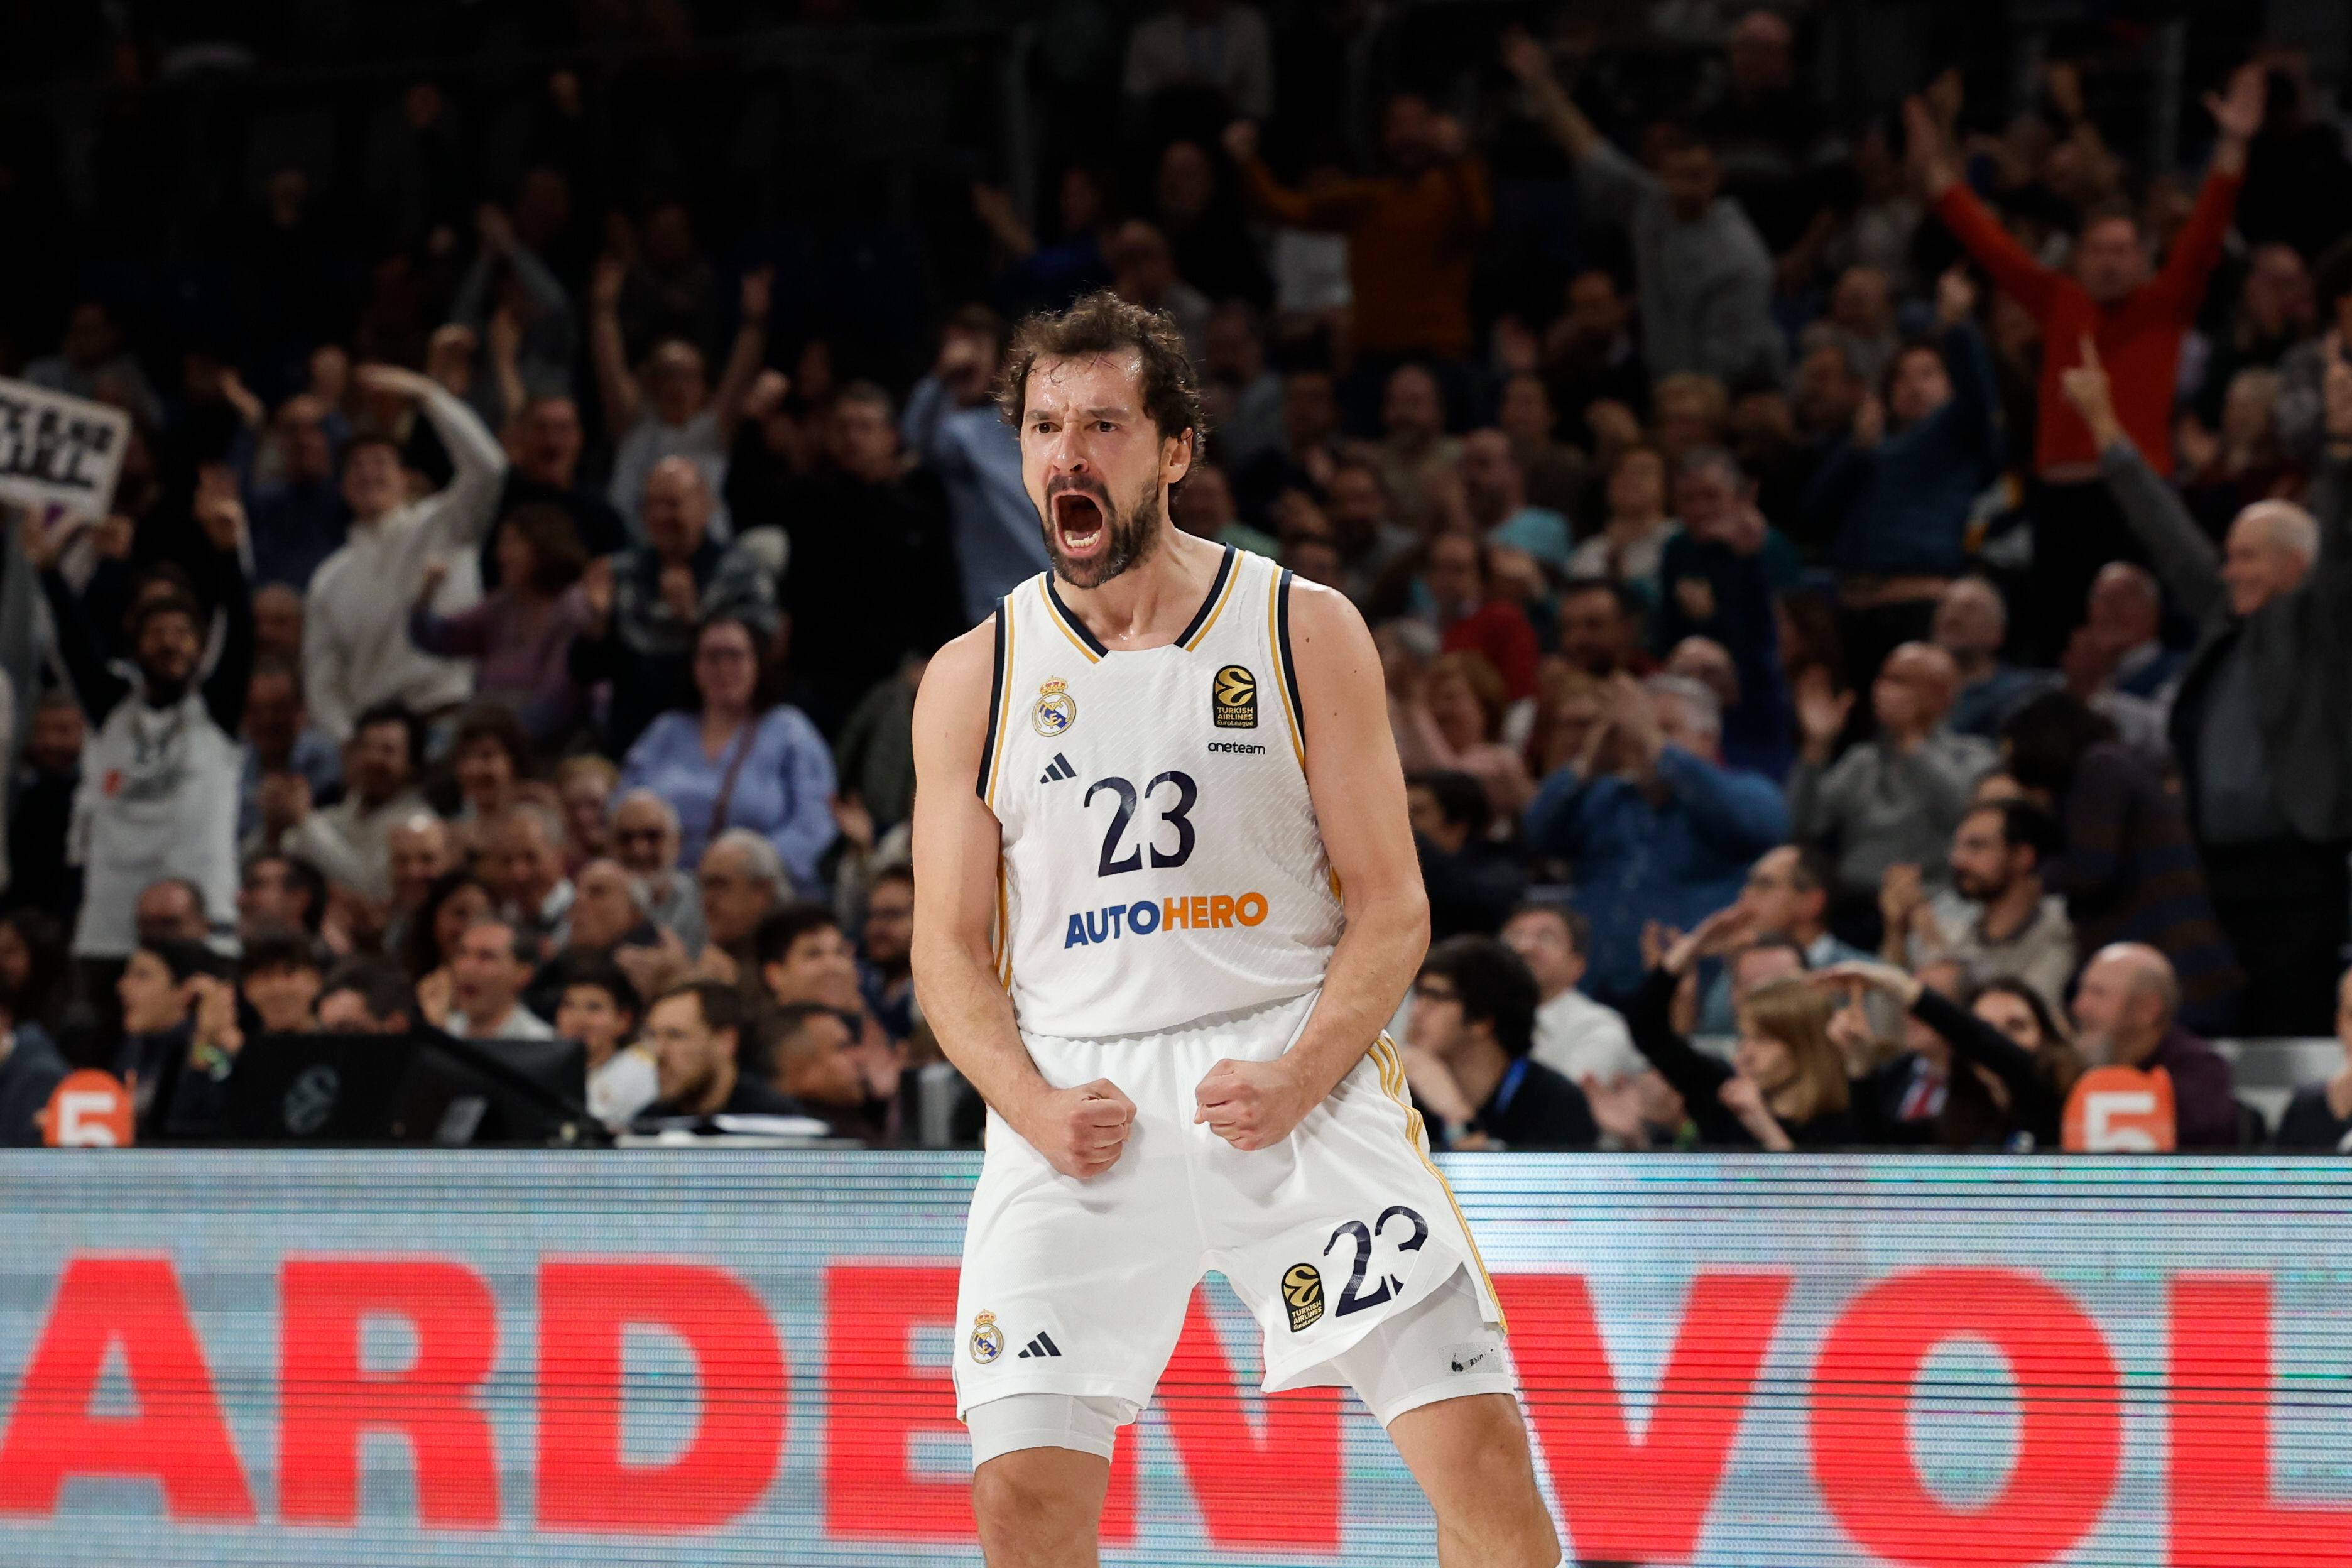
x=356 y=650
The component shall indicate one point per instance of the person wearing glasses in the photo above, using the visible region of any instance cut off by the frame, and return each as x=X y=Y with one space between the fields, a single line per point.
x=731 y=763
x=1473 y=1023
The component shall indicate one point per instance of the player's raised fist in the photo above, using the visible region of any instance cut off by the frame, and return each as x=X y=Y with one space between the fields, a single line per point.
x=1082 y=1130
x=1251 y=1105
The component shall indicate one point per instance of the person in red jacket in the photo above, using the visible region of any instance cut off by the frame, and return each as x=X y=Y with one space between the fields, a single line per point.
x=2136 y=316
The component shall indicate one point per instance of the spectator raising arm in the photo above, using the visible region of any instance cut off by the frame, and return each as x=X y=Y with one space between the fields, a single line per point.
x=2185 y=559
x=1527 y=61
x=746 y=358
x=616 y=384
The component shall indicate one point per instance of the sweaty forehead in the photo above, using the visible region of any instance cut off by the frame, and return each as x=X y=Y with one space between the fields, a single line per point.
x=1063 y=383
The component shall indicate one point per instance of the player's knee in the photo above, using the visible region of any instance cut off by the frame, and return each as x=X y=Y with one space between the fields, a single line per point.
x=1037 y=1493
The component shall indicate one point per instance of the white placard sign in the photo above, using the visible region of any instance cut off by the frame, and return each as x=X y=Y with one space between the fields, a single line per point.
x=59 y=451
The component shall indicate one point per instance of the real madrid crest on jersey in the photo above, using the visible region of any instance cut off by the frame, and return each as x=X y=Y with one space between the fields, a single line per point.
x=987 y=1339
x=1056 y=712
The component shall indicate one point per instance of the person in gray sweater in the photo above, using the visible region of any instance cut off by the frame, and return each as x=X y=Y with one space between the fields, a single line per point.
x=1891 y=800
x=2259 y=723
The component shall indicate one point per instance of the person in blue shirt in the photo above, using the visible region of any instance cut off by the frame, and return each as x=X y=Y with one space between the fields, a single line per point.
x=1657 y=828
x=1495 y=488
x=728 y=764
x=953 y=425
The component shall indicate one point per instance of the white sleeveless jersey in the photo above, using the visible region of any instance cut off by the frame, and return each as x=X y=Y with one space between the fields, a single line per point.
x=1162 y=861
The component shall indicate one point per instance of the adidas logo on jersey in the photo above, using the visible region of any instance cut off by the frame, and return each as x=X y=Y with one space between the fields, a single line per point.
x=1042 y=1346
x=1059 y=768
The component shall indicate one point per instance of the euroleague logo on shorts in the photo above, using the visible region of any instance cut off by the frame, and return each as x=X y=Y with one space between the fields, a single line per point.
x=1302 y=1292
x=1233 y=699
x=1197 y=912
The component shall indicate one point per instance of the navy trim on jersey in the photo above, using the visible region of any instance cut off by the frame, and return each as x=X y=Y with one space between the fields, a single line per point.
x=995 y=702
x=1216 y=586
x=1077 y=626
x=1289 y=663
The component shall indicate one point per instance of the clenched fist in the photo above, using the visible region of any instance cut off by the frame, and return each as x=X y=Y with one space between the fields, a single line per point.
x=1082 y=1130
x=1251 y=1105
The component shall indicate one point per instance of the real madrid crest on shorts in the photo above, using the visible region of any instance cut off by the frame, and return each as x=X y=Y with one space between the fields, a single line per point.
x=1056 y=712
x=987 y=1339
x=1233 y=699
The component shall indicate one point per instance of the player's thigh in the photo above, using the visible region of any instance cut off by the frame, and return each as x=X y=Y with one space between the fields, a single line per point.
x=1071 y=1287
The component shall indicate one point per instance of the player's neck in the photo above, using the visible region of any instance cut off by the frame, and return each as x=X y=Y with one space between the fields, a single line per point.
x=1147 y=605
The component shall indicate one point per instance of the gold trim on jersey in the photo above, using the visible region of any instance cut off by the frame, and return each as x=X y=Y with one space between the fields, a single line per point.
x=1233 y=581
x=1003 y=712
x=1046 y=594
x=1281 y=681
x=1003 y=942
x=1390 y=1066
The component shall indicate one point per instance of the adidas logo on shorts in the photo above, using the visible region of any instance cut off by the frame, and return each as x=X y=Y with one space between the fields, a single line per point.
x=1042 y=1346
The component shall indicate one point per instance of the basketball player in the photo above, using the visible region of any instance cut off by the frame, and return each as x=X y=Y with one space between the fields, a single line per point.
x=1166 y=899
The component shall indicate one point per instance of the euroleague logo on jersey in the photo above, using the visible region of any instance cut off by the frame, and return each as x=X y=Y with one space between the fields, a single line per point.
x=1056 y=712
x=1233 y=699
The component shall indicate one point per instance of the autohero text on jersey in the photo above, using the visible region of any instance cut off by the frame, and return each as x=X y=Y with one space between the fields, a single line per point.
x=1196 y=911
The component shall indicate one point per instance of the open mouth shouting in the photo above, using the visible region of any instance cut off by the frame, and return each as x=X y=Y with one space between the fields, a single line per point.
x=1081 y=524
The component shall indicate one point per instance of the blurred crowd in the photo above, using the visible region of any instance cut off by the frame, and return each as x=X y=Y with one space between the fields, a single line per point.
x=1875 y=591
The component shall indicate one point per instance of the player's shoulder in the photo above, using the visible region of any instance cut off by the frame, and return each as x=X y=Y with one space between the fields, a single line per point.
x=963 y=662
x=1325 y=617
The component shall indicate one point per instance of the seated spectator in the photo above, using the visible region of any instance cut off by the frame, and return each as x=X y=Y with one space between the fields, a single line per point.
x=524 y=859
x=2021 y=930
x=1631 y=547
x=173 y=1064
x=356 y=652
x=2130 y=871
x=1372 y=543
x=1658 y=828
x=1757 y=720
x=1557 y=474
x=2118 y=647
x=1600 y=629
x=1473 y=1012
x=35 y=980
x=40 y=815
x=598 y=1006
x=30 y=1071
x=351 y=841
x=1787 y=896
x=1717 y=576
x=667 y=407
x=1204 y=509
x=697 y=1033
x=2128 y=1005
x=821 y=1062
x=643 y=607
x=287 y=764
x=1971 y=625
x=93 y=362
x=1590 y=352
x=454 y=903
x=742 y=880
x=645 y=842
x=1143 y=272
x=803 y=957
x=1417 y=460
x=1472 y=883
x=1785 y=1087
x=1464 y=603
x=1495 y=488
x=1994 y=1076
x=885 y=976
x=300 y=516
x=280 y=892
x=608 y=908
x=520 y=635
x=2318 y=1119
x=1243 y=398
x=494 y=961
x=366 y=996
x=733 y=764
x=491 y=758
x=585 y=784
x=1575 y=1036
x=1306 y=458
x=418 y=851
x=1894 y=798
x=281 y=977
x=1454 y=723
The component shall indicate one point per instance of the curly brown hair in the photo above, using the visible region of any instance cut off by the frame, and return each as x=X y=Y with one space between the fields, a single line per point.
x=1103 y=323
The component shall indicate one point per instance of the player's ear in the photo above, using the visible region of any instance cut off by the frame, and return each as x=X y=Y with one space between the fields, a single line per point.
x=1176 y=455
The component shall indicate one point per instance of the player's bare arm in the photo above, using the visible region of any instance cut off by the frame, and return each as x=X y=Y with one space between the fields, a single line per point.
x=1358 y=788
x=1079 y=1130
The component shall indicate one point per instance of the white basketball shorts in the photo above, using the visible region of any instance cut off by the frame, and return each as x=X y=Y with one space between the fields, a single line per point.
x=1080 y=1286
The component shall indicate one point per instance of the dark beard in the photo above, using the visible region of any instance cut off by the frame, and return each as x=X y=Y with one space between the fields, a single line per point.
x=1134 y=535
x=163 y=692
